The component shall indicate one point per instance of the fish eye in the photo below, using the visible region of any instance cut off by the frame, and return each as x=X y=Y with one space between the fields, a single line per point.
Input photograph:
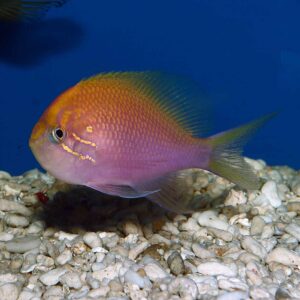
x=58 y=135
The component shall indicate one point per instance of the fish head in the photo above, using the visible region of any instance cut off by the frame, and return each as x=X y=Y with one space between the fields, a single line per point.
x=53 y=143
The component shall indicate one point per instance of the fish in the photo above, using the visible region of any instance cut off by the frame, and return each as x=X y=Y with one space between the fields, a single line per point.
x=136 y=134
x=16 y=10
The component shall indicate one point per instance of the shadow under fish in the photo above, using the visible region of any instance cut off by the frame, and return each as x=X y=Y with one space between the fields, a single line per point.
x=27 y=44
x=87 y=209
x=82 y=208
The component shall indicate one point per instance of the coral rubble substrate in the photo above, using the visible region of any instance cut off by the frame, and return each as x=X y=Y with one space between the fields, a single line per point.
x=61 y=242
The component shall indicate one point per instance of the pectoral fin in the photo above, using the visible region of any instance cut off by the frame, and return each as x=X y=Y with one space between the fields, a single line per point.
x=172 y=193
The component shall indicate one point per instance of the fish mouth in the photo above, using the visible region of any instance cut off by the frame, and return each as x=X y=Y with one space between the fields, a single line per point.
x=31 y=142
x=37 y=134
x=34 y=143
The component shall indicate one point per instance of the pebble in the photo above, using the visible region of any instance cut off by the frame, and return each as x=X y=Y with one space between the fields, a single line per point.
x=78 y=246
x=30 y=200
x=99 y=292
x=137 y=250
x=155 y=272
x=16 y=221
x=135 y=278
x=237 y=295
x=294 y=206
x=8 y=278
x=284 y=256
x=115 y=286
x=235 y=198
x=190 y=225
x=210 y=219
x=100 y=256
x=294 y=230
x=257 y=165
x=61 y=235
x=23 y=244
x=92 y=240
x=28 y=295
x=14 y=189
x=54 y=293
x=109 y=239
x=296 y=186
x=185 y=287
x=158 y=239
x=82 y=293
x=52 y=277
x=259 y=293
x=36 y=227
x=175 y=263
x=268 y=231
x=135 y=293
x=9 y=291
x=282 y=294
x=257 y=225
x=16 y=263
x=4 y=175
x=245 y=257
x=45 y=260
x=253 y=246
x=214 y=268
x=207 y=285
x=98 y=266
x=6 y=236
x=221 y=234
x=269 y=189
x=72 y=280
x=99 y=250
x=171 y=228
x=254 y=276
x=29 y=263
x=64 y=257
x=201 y=252
x=231 y=284
x=14 y=207
x=120 y=251
x=110 y=272
x=130 y=227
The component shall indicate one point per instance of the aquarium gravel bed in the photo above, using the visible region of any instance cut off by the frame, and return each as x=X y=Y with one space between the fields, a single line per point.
x=62 y=242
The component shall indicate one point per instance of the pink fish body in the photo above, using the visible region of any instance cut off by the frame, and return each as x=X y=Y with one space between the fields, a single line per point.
x=131 y=134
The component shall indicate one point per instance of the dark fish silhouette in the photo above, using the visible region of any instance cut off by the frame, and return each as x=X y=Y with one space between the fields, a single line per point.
x=24 y=10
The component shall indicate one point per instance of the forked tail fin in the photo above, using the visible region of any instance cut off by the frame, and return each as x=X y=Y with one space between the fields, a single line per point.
x=226 y=159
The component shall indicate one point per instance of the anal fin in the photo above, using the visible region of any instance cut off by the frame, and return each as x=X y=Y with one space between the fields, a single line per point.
x=124 y=191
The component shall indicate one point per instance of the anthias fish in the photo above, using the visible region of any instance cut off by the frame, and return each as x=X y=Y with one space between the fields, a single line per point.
x=15 y=10
x=132 y=134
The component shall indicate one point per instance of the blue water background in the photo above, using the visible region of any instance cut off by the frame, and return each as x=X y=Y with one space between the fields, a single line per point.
x=245 y=54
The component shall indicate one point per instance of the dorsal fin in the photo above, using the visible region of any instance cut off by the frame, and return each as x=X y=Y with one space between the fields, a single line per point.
x=178 y=97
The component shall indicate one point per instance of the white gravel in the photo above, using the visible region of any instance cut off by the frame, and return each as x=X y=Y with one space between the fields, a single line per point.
x=83 y=245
